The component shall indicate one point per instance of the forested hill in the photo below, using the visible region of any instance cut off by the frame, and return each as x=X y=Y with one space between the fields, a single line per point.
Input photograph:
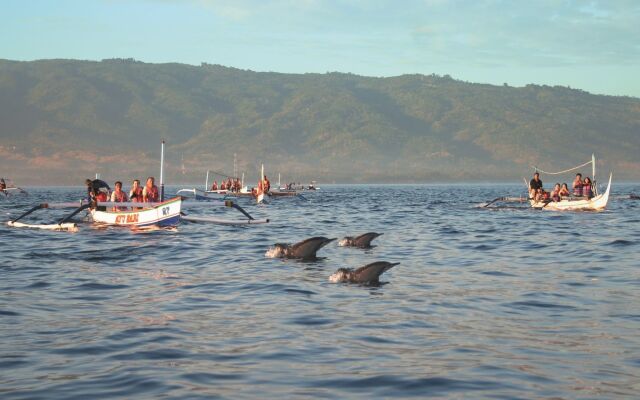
x=64 y=120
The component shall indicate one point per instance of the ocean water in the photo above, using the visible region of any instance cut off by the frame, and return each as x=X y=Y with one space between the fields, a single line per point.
x=505 y=303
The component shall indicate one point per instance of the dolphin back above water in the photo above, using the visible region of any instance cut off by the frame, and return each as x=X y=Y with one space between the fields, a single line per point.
x=305 y=250
x=370 y=273
x=363 y=241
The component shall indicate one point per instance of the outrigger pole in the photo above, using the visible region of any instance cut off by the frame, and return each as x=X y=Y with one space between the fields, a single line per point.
x=161 y=172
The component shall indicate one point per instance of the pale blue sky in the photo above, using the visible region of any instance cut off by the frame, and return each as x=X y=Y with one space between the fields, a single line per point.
x=590 y=45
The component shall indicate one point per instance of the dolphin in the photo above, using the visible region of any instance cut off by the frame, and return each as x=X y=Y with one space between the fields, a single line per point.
x=363 y=241
x=305 y=250
x=368 y=274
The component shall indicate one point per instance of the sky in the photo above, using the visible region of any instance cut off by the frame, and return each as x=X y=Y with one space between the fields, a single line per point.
x=588 y=45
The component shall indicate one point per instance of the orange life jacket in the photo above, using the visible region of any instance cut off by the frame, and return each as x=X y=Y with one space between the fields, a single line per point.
x=152 y=194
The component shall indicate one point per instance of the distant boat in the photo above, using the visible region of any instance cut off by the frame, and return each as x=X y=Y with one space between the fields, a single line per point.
x=8 y=188
x=596 y=203
x=573 y=203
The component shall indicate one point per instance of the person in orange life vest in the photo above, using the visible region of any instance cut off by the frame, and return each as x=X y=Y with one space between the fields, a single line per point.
x=215 y=185
x=577 y=185
x=587 y=190
x=150 y=192
x=555 y=193
x=118 y=196
x=267 y=185
x=223 y=186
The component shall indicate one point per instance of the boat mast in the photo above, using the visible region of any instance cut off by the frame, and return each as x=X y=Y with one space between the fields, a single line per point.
x=206 y=183
x=235 y=167
x=161 y=172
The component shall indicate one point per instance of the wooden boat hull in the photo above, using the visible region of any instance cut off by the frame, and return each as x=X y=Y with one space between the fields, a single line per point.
x=596 y=203
x=163 y=215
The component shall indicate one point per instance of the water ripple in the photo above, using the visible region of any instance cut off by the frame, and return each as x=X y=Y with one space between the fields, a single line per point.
x=504 y=303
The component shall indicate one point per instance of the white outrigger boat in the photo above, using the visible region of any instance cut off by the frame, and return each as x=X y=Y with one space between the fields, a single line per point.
x=596 y=203
x=570 y=203
x=162 y=215
x=208 y=195
x=136 y=215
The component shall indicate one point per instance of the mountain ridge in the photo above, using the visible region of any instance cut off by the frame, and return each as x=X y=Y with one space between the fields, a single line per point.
x=63 y=120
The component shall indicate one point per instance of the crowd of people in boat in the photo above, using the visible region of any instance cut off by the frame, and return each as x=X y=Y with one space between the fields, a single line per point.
x=235 y=186
x=230 y=185
x=581 y=188
x=98 y=191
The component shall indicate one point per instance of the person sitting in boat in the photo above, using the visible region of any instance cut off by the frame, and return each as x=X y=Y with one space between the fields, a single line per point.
x=534 y=185
x=214 y=187
x=577 y=185
x=3 y=184
x=555 y=193
x=223 y=185
x=135 y=194
x=587 y=190
x=150 y=192
x=91 y=194
x=118 y=196
x=564 y=191
x=237 y=185
x=101 y=196
x=542 y=195
x=229 y=185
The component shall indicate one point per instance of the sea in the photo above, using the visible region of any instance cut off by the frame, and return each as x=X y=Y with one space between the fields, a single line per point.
x=487 y=303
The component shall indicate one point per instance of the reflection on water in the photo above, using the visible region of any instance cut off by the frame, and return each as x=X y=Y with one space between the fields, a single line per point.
x=510 y=303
